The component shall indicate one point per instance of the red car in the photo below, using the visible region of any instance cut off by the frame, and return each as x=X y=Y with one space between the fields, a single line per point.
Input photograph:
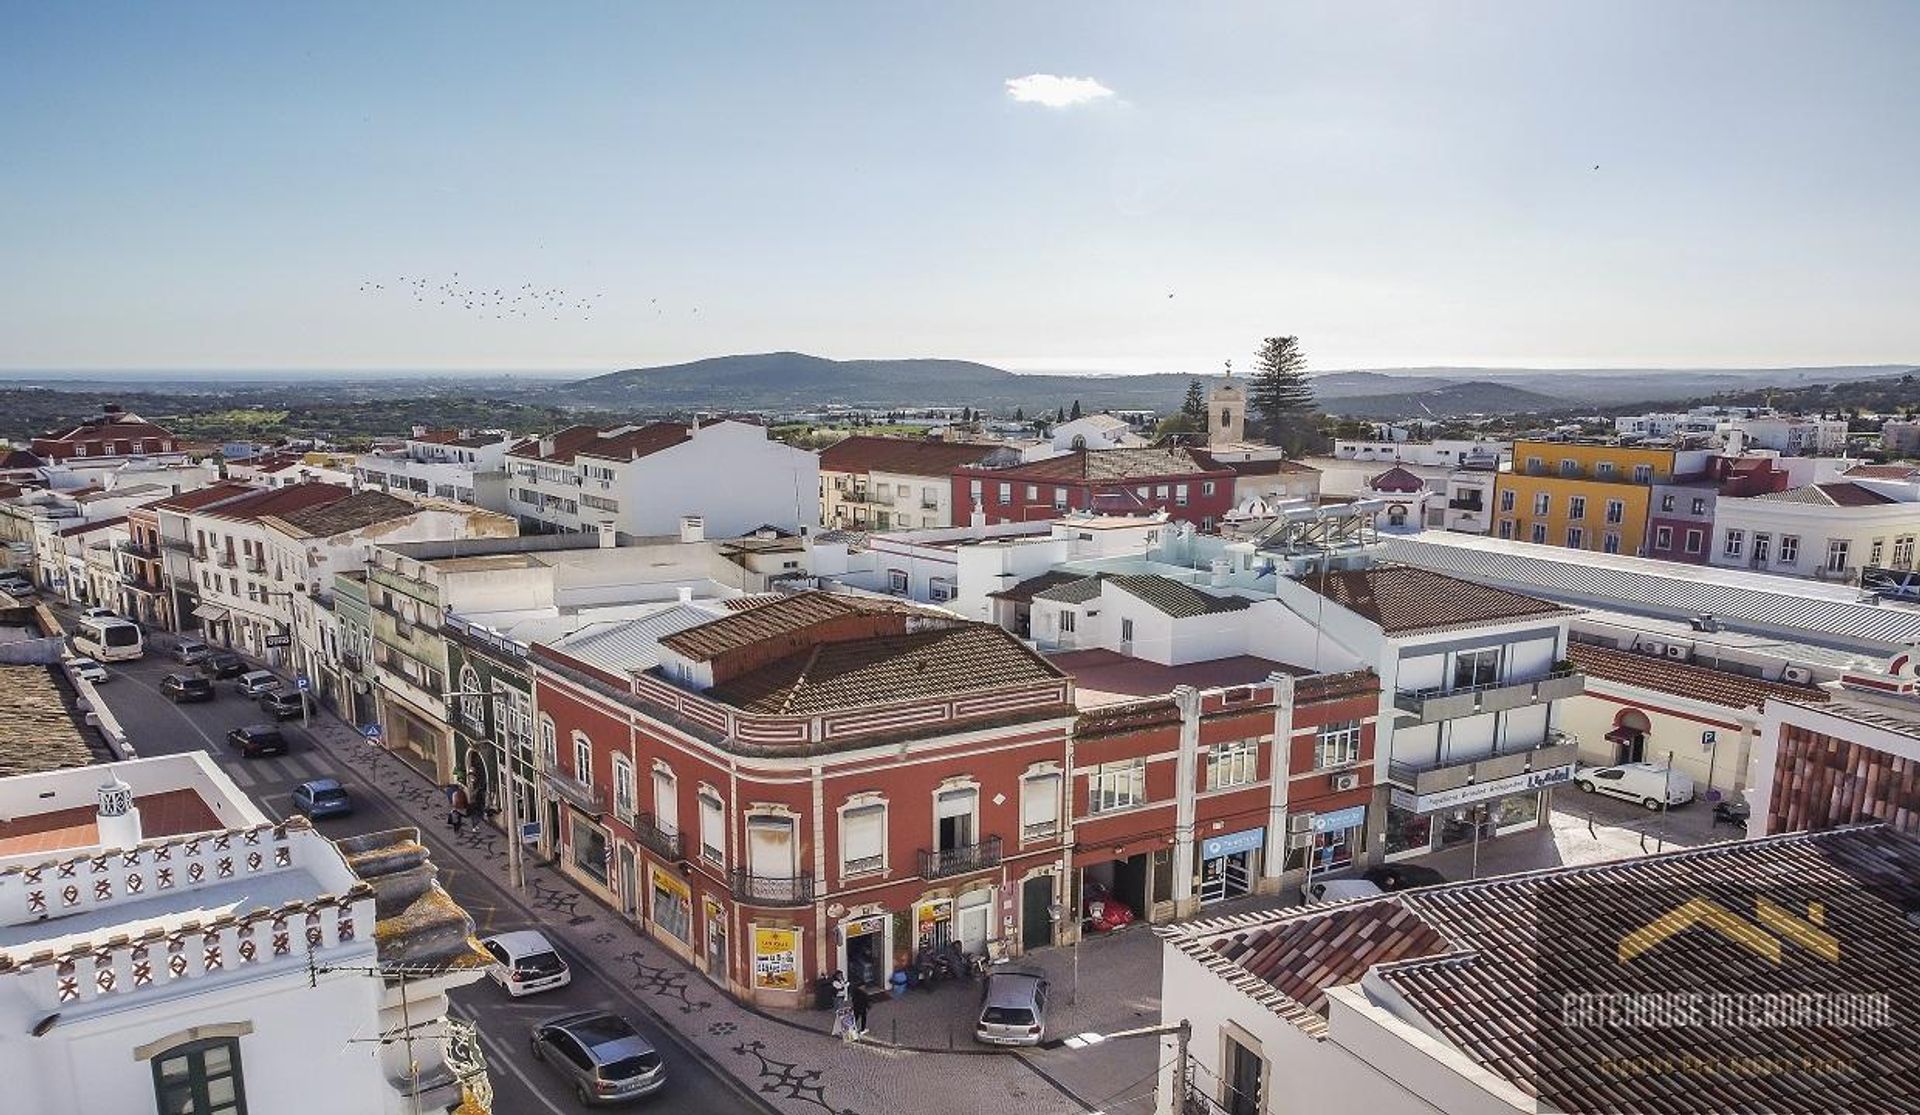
x=1106 y=913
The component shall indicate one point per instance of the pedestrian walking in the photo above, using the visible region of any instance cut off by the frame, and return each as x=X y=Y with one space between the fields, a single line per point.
x=839 y=986
x=861 y=1002
x=454 y=819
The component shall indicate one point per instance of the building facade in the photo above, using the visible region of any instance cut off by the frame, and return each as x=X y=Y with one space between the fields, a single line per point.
x=882 y=483
x=1181 y=482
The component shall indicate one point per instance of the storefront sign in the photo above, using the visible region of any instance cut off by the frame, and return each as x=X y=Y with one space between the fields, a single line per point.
x=1246 y=841
x=1482 y=791
x=776 y=959
x=670 y=883
x=1340 y=820
x=861 y=926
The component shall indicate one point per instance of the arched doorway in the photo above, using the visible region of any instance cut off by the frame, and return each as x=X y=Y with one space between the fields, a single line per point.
x=479 y=781
x=1629 y=736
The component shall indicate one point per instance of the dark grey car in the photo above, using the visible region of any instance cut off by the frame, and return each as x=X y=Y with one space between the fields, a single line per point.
x=601 y=1055
x=1013 y=1009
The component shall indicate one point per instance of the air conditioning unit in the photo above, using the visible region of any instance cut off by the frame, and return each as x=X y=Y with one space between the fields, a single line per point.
x=1298 y=823
x=1678 y=652
x=1348 y=781
x=1799 y=675
x=1650 y=646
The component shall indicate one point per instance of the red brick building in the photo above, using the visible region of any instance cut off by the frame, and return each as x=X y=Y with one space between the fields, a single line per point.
x=825 y=782
x=1181 y=482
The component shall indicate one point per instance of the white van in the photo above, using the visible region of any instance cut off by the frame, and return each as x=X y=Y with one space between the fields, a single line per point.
x=1647 y=783
x=108 y=639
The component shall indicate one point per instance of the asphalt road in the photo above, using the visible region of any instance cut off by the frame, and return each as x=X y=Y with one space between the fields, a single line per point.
x=156 y=726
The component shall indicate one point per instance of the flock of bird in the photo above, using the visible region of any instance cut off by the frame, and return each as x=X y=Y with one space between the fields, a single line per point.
x=528 y=300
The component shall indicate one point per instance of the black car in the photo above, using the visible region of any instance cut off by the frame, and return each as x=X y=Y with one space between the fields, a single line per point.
x=1404 y=876
x=223 y=664
x=283 y=704
x=256 y=740
x=182 y=688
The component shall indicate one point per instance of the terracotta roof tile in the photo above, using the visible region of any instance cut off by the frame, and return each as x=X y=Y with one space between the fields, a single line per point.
x=906 y=456
x=1024 y=591
x=279 y=501
x=962 y=659
x=1304 y=956
x=204 y=497
x=1684 y=679
x=1841 y=493
x=1402 y=598
x=781 y=617
x=361 y=509
x=1172 y=598
x=1109 y=465
x=37 y=727
x=1268 y=466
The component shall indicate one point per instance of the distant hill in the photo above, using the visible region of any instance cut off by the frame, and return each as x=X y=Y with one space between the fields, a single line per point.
x=788 y=380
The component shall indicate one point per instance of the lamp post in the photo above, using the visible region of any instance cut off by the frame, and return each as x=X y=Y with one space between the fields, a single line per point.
x=516 y=871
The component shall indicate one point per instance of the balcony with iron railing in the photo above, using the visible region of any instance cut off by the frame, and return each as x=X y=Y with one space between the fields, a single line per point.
x=182 y=546
x=135 y=549
x=1433 y=775
x=660 y=839
x=225 y=561
x=1447 y=702
x=253 y=564
x=938 y=863
x=583 y=796
x=771 y=890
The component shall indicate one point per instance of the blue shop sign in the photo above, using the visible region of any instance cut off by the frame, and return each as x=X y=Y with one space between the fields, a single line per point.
x=1216 y=846
x=1340 y=820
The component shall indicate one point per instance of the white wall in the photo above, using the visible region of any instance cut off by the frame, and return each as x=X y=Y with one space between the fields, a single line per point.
x=729 y=472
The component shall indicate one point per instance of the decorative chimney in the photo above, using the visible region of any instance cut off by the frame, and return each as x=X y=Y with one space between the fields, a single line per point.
x=117 y=819
x=693 y=528
x=608 y=538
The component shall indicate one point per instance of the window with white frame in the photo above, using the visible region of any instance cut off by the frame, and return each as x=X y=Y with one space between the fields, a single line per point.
x=1541 y=502
x=713 y=828
x=1120 y=785
x=1735 y=543
x=1539 y=534
x=863 y=839
x=940 y=589
x=1643 y=474
x=666 y=799
x=897 y=582
x=623 y=788
x=1695 y=540
x=1233 y=763
x=1576 y=538
x=1874 y=551
x=1040 y=805
x=1616 y=511
x=1066 y=623
x=1663 y=538
x=549 y=745
x=1789 y=551
x=1337 y=744
x=1610 y=542
x=1506 y=500
x=582 y=759
x=1837 y=553
x=473 y=702
x=1006 y=492
x=1903 y=551
x=1576 y=507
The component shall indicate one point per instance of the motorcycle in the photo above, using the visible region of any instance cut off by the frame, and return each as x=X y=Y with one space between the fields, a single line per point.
x=1104 y=912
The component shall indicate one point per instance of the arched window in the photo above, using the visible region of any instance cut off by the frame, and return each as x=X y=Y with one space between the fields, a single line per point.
x=1226 y=418
x=549 y=744
x=200 y=1078
x=473 y=703
x=1079 y=441
x=582 y=759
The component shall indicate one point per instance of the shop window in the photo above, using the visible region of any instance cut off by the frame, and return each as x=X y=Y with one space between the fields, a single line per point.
x=1408 y=831
x=1235 y=763
x=1114 y=786
x=863 y=839
x=672 y=905
x=1516 y=809
x=1039 y=806
x=590 y=849
x=200 y=1078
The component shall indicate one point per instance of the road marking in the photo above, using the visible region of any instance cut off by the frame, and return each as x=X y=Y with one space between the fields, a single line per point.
x=498 y=1056
x=242 y=774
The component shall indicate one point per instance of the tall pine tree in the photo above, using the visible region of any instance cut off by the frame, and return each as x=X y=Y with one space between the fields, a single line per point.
x=1280 y=394
x=1193 y=409
x=1075 y=412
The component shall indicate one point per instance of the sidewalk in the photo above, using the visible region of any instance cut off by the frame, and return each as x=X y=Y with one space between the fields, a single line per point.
x=787 y=1058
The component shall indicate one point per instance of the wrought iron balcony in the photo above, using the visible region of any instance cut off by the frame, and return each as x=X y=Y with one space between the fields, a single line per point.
x=938 y=863
x=659 y=839
x=583 y=796
x=253 y=564
x=1444 y=703
x=771 y=890
x=135 y=549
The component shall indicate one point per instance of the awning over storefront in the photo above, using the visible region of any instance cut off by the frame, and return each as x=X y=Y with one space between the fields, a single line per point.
x=1621 y=735
x=211 y=613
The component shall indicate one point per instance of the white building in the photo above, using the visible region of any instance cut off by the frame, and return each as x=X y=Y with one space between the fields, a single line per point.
x=459 y=465
x=1829 y=531
x=1793 y=435
x=1094 y=431
x=165 y=946
x=644 y=479
x=1451 y=1000
x=1484 y=453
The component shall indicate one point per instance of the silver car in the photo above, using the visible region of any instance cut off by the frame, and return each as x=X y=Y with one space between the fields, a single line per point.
x=601 y=1055
x=1013 y=1009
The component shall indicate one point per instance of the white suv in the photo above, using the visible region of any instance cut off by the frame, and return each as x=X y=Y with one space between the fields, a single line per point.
x=1651 y=785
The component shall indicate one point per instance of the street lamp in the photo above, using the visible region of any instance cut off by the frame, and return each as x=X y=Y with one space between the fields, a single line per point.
x=516 y=872
x=1058 y=912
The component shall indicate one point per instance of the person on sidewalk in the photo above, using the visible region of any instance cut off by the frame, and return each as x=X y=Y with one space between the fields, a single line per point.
x=861 y=1003
x=839 y=986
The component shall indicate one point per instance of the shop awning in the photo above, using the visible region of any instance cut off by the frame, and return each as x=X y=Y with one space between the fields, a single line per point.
x=211 y=613
x=1621 y=735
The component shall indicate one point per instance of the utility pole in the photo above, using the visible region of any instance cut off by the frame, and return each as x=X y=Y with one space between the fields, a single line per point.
x=516 y=869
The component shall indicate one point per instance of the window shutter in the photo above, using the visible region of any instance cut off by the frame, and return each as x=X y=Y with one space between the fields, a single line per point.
x=713 y=828
x=1040 y=800
x=955 y=803
x=770 y=847
x=666 y=805
x=864 y=835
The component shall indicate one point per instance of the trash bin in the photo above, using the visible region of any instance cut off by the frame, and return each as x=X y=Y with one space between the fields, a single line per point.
x=823 y=993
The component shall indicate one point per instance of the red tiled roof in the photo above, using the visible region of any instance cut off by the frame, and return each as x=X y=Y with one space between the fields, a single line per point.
x=19 y=459
x=278 y=501
x=1303 y=956
x=361 y=509
x=168 y=813
x=89 y=528
x=1884 y=472
x=1273 y=466
x=781 y=617
x=907 y=456
x=634 y=444
x=966 y=658
x=1024 y=591
x=203 y=497
x=1684 y=679
x=1108 y=465
x=566 y=443
x=1403 y=599
x=1396 y=479
x=1841 y=493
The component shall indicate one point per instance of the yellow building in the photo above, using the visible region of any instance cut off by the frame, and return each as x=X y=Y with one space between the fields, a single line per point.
x=1584 y=496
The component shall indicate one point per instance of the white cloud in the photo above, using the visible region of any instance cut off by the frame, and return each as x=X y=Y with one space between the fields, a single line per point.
x=1055 y=91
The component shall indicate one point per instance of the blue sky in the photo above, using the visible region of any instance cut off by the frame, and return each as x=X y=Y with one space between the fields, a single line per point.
x=209 y=186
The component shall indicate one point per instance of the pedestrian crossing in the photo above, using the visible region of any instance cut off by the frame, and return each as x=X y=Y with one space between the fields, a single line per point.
x=279 y=770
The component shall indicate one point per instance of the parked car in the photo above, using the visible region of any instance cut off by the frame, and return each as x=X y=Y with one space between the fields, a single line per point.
x=1341 y=890
x=184 y=688
x=1647 y=783
x=192 y=652
x=98 y=613
x=223 y=664
x=255 y=682
x=1404 y=876
x=256 y=740
x=283 y=704
x=525 y=962
x=322 y=797
x=13 y=584
x=1013 y=1009
x=601 y=1055
x=87 y=669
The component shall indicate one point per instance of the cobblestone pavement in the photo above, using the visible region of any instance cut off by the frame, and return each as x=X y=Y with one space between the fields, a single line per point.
x=787 y=1058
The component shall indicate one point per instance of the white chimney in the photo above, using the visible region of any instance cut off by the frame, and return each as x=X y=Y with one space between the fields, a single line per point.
x=607 y=534
x=686 y=594
x=693 y=528
x=1220 y=568
x=978 y=519
x=117 y=819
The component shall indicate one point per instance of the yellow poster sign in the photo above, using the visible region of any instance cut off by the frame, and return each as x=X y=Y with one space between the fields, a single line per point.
x=776 y=959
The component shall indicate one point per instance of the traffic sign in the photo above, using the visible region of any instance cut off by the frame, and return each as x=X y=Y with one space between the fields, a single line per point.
x=371 y=731
x=303 y=683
